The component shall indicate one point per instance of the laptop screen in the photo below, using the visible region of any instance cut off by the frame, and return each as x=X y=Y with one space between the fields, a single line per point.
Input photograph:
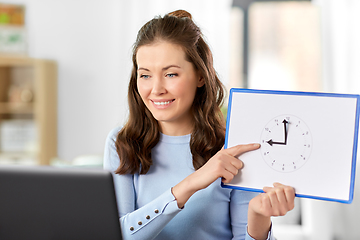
x=57 y=203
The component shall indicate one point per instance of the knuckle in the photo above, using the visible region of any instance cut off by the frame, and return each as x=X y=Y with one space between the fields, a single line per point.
x=221 y=157
x=218 y=161
x=218 y=167
x=278 y=190
x=271 y=194
x=265 y=197
x=218 y=156
x=289 y=189
x=241 y=164
x=236 y=164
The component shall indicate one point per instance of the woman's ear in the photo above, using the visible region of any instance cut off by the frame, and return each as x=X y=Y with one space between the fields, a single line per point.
x=201 y=82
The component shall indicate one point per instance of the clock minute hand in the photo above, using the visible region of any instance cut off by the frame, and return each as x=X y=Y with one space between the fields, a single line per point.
x=271 y=142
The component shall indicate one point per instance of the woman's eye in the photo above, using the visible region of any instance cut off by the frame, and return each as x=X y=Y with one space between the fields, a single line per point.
x=144 y=76
x=171 y=75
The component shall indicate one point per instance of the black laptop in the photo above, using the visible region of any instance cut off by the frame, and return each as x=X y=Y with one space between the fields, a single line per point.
x=57 y=203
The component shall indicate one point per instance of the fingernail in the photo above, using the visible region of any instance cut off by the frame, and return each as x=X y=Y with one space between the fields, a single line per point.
x=256 y=145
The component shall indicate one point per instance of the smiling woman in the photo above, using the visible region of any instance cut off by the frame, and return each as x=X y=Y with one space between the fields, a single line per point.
x=179 y=34
x=169 y=153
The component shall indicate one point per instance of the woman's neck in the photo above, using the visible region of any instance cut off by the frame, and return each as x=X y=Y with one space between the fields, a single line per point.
x=175 y=130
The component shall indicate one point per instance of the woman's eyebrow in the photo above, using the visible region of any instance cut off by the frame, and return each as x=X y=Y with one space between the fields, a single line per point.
x=170 y=66
x=145 y=69
x=164 y=68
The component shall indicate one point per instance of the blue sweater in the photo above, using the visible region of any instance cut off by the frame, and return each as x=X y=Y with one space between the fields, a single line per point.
x=148 y=210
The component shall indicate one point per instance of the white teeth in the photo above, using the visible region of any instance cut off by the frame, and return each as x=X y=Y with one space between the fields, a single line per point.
x=162 y=103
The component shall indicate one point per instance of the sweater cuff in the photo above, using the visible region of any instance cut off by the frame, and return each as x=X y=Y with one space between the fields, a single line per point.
x=172 y=205
x=269 y=236
x=165 y=205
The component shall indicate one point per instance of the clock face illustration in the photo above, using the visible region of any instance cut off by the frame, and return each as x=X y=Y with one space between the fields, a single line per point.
x=286 y=143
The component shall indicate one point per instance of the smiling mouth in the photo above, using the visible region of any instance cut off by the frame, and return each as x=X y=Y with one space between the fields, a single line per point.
x=163 y=103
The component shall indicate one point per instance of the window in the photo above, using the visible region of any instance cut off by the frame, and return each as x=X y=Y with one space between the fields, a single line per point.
x=276 y=45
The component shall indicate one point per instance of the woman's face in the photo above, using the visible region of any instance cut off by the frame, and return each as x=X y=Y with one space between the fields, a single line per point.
x=167 y=84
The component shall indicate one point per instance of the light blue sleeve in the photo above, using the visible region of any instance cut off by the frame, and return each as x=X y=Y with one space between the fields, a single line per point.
x=145 y=222
x=238 y=212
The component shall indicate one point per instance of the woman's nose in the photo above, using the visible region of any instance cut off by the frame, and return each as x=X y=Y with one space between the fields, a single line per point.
x=158 y=87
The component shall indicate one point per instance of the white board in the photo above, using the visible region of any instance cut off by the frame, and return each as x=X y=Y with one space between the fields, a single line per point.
x=308 y=141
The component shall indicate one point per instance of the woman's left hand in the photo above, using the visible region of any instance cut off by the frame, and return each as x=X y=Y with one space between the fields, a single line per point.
x=275 y=201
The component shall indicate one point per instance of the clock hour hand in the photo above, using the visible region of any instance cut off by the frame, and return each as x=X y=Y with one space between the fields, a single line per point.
x=271 y=142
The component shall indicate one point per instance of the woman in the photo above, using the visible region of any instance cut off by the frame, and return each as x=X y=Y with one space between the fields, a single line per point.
x=168 y=159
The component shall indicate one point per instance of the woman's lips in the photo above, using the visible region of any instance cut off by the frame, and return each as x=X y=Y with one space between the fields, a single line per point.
x=162 y=103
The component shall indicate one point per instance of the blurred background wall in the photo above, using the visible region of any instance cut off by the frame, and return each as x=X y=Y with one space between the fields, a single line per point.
x=91 y=42
x=291 y=45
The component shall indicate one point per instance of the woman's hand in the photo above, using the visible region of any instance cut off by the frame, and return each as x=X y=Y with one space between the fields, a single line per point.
x=276 y=201
x=224 y=164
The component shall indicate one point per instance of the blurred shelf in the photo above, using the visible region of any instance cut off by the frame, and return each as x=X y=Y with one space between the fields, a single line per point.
x=16 y=108
x=11 y=61
x=28 y=92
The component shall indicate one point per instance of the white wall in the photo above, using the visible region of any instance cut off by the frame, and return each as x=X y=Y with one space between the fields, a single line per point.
x=84 y=38
x=341 y=73
x=91 y=41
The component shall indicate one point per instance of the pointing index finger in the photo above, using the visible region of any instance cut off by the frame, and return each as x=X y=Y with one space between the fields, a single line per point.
x=240 y=149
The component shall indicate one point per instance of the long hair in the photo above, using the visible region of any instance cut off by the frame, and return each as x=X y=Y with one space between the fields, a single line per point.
x=142 y=132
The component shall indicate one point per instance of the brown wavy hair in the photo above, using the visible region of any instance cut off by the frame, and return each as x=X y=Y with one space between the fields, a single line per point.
x=142 y=132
